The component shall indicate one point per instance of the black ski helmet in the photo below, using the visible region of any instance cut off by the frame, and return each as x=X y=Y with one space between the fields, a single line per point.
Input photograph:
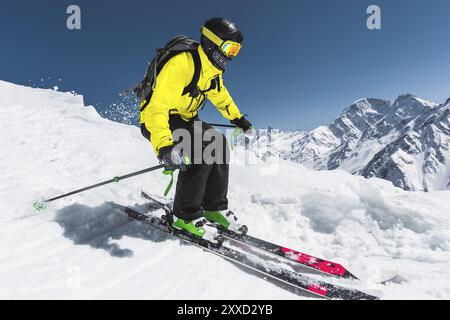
x=225 y=30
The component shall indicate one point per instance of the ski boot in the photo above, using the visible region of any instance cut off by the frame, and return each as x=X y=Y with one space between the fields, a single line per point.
x=198 y=229
x=226 y=221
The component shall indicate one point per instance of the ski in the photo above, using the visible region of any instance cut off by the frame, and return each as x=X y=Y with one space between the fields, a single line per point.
x=323 y=266
x=294 y=280
x=320 y=265
x=164 y=223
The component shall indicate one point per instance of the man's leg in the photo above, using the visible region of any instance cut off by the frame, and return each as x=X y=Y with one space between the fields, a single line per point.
x=190 y=192
x=215 y=198
x=191 y=184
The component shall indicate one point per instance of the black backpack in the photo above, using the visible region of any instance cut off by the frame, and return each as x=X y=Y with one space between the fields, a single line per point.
x=176 y=45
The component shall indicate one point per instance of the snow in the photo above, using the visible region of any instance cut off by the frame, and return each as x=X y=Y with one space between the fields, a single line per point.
x=81 y=248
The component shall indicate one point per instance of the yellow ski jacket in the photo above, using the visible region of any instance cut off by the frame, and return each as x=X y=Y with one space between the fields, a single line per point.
x=167 y=98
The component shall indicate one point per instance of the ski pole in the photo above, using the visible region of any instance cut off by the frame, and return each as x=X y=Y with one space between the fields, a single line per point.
x=222 y=125
x=41 y=204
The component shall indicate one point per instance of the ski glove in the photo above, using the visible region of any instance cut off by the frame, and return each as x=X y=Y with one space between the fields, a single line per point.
x=173 y=159
x=242 y=123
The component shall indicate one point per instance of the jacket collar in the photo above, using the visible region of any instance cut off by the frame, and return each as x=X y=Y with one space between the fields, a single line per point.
x=207 y=67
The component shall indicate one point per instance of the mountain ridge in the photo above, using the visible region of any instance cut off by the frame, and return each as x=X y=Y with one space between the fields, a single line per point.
x=406 y=141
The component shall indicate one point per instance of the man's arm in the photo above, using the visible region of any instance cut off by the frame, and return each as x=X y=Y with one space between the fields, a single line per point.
x=170 y=84
x=221 y=98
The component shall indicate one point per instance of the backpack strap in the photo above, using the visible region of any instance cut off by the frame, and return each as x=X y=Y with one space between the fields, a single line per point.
x=191 y=87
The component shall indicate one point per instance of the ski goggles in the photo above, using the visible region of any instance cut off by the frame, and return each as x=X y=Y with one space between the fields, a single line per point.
x=228 y=47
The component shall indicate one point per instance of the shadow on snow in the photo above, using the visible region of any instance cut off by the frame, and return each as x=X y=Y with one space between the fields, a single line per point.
x=99 y=226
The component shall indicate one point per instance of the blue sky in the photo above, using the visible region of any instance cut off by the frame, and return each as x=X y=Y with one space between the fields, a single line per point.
x=302 y=63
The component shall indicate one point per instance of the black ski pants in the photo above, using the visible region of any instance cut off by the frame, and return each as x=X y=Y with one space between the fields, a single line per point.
x=204 y=185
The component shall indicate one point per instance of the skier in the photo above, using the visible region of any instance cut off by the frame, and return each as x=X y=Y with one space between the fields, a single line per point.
x=201 y=190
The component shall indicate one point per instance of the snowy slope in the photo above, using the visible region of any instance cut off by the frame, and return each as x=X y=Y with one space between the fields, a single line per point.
x=81 y=248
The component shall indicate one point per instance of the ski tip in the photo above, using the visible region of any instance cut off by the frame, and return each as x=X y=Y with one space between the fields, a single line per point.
x=370 y=296
x=143 y=194
x=348 y=275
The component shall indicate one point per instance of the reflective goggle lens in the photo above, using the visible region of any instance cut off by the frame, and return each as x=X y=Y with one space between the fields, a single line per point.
x=230 y=48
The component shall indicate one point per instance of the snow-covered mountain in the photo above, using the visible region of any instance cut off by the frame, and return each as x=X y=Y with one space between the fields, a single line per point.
x=406 y=142
x=80 y=248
